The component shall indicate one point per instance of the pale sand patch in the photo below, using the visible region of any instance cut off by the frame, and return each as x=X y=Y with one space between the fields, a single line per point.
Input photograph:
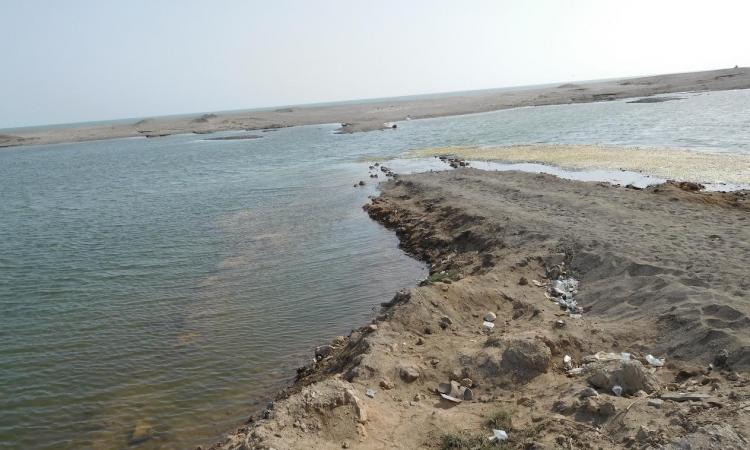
x=668 y=163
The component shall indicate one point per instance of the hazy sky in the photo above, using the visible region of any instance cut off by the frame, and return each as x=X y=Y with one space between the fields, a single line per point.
x=69 y=61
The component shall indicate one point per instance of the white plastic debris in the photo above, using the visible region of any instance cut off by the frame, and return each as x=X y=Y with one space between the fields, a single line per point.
x=490 y=317
x=617 y=389
x=568 y=362
x=498 y=435
x=575 y=371
x=609 y=356
x=370 y=393
x=449 y=398
x=654 y=361
x=488 y=325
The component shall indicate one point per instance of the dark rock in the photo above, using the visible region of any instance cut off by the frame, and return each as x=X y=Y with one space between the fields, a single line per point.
x=720 y=360
x=323 y=351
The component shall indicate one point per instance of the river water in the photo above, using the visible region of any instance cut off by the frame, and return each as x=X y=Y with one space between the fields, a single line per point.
x=164 y=288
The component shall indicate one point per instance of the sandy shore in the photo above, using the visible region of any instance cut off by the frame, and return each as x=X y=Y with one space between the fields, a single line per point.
x=662 y=272
x=374 y=115
x=666 y=163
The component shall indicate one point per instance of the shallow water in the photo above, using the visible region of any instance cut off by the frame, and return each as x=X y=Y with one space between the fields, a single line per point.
x=171 y=284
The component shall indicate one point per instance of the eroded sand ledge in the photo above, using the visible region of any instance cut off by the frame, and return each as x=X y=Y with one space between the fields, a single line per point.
x=374 y=115
x=662 y=271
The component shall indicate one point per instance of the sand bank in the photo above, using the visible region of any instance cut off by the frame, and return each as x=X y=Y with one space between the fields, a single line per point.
x=378 y=114
x=661 y=272
x=667 y=163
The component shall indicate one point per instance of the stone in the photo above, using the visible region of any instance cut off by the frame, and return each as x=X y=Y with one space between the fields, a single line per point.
x=323 y=351
x=656 y=402
x=643 y=434
x=420 y=341
x=566 y=407
x=523 y=281
x=359 y=406
x=445 y=322
x=733 y=376
x=588 y=392
x=720 y=360
x=142 y=432
x=632 y=376
x=408 y=374
x=387 y=384
x=467 y=382
x=527 y=355
x=490 y=317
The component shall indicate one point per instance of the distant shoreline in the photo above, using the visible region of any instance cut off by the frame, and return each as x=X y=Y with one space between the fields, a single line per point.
x=377 y=114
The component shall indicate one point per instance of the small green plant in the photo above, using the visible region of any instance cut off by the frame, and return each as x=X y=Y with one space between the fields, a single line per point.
x=500 y=420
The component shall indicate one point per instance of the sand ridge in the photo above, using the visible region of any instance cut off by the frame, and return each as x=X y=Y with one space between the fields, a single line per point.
x=662 y=272
x=378 y=114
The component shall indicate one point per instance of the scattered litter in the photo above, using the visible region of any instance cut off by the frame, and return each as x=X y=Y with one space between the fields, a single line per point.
x=559 y=323
x=498 y=435
x=575 y=371
x=455 y=392
x=490 y=317
x=617 y=389
x=537 y=283
x=370 y=393
x=450 y=399
x=607 y=356
x=488 y=325
x=562 y=292
x=576 y=316
x=568 y=362
x=684 y=397
x=654 y=361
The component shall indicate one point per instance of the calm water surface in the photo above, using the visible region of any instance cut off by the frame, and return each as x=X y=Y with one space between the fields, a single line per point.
x=172 y=284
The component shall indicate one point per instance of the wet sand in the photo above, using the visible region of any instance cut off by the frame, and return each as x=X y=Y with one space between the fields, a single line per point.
x=378 y=114
x=666 y=163
x=661 y=272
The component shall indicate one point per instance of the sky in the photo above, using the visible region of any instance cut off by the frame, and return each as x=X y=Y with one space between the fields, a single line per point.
x=76 y=60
